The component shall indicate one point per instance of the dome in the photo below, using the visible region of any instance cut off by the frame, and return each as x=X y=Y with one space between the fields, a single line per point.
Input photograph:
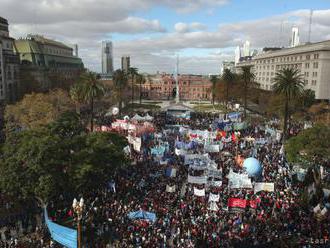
x=252 y=167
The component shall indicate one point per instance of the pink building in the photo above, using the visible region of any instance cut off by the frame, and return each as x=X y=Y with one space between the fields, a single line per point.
x=191 y=87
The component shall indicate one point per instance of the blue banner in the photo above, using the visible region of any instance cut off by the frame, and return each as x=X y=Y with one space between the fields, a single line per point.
x=63 y=235
x=142 y=215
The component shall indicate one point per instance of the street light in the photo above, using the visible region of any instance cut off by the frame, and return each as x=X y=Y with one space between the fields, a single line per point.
x=78 y=208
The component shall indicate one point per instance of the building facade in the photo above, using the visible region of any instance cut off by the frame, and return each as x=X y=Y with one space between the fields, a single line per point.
x=9 y=65
x=107 y=58
x=191 y=87
x=313 y=61
x=125 y=63
x=49 y=62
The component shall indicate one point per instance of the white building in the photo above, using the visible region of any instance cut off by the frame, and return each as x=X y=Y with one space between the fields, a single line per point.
x=9 y=65
x=295 y=37
x=246 y=49
x=313 y=60
x=237 y=54
x=107 y=57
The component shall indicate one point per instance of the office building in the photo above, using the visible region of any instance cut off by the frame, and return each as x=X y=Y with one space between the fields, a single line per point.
x=237 y=54
x=107 y=58
x=246 y=49
x=125 y=63
x=295 y=37
x=9 y=65
x=51 y=63
x=312 y=59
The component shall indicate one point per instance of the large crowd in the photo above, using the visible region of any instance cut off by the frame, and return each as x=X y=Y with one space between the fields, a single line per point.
x=280 y=219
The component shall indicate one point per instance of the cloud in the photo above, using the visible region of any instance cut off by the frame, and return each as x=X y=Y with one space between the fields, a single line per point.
x=181 y=27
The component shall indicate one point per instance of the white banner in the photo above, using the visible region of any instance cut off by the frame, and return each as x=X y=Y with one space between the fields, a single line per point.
x=212 y=148
x=199 y=192
x=197 y=180
x=269 y=187
x=136 y=142
x=170 y=189
x=238 y=181
x=215 y=183
x=180 y=152
x=214 y=197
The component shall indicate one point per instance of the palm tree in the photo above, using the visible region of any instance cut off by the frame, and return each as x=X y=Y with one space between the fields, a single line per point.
x=77 y=96
x=248 y=79
x=288 y=82
x=91 y=89
x=132 y=71
x=214 y=81
x=140 y=79
x=120 y=82
x=228 y=77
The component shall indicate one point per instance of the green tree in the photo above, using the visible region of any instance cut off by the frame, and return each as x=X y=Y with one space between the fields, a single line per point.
x=89 y=89
x=228 y=77
x=133 y=72
x=309 y=145
x=288 y=82
x=248 y=78
x=120 y=82
x=76 y=94
x=214 y=81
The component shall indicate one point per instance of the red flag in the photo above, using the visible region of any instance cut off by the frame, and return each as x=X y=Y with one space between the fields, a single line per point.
x=233 y=137
x=236 y=203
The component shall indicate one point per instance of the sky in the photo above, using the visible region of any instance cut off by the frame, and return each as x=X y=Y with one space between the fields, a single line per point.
x=153 y=32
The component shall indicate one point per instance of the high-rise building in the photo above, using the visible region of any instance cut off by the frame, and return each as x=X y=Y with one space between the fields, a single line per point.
x=9 y=65
x=107 y=57
x=246 y=49
x=125 y=63
x=295 y=37
x=237 y=54
x=311 y=59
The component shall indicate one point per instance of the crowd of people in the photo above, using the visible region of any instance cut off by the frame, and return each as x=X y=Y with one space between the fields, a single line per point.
x=280 y=219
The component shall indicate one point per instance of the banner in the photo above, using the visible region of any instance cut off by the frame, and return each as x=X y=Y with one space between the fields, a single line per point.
x=170 y=189
x=237 y=203
x=238 y=181
x=199 y=192
x=63 y=235
x=180 y=152
x=136 y=142
x=142 y=215
x=215 y=183
x=212 y=148
x=269 y=187
x=197 y=180
x=214 y=197
x=158 y=151
x=170 y=172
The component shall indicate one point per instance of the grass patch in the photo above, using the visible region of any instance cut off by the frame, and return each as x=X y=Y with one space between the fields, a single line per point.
x=209 y=107
x=141 y=106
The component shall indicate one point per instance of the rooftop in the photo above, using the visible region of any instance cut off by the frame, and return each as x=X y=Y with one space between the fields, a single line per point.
x=46 y=41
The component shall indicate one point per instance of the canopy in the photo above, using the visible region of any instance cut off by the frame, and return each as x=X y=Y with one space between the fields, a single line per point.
x=142 y=215
x=137 y=117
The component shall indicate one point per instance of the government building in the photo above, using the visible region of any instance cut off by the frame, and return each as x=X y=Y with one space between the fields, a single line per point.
x=50 y=63
x=191 y=87
x=9 y=65
x=312 y=59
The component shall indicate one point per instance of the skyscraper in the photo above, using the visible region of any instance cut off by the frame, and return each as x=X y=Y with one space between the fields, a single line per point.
x=246 y=49
x=125 y=63
x=295 y=37
x=237 y=54
x=107 y=57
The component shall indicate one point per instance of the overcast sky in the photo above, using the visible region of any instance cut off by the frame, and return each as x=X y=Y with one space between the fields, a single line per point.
x=152 y=32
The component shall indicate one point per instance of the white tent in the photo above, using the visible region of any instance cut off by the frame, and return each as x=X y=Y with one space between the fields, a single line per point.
x=137 y=117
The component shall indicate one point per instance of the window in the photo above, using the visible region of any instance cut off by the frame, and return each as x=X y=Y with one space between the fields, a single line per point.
x=314 y=73
x=306 y=74
x=316 y=56
x=315 y=65
x=313 y=82
x=308 y=57
x=306 y=65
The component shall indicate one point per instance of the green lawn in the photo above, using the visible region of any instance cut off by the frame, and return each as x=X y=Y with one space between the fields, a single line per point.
x=141 y=106
x=209 y=107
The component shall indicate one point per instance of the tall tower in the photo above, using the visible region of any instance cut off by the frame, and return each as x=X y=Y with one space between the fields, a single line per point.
x=237 y=54
x=125 y=63
x=107 y=57
x=246 y=48
x=295 y=37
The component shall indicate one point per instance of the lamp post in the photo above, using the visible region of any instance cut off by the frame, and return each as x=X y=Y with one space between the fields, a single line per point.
x=78 y=208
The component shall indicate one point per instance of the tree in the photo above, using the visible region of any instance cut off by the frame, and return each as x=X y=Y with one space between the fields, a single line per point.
x=248 y=78
x=120 y=82
x=90 y=89
x=77 y=96
x=288 y=83
x=132 y=71
x=310 y=144
x=141 y=80
x=60 y=158
x=214 y=81
x=228 y=77
x=37 y=109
